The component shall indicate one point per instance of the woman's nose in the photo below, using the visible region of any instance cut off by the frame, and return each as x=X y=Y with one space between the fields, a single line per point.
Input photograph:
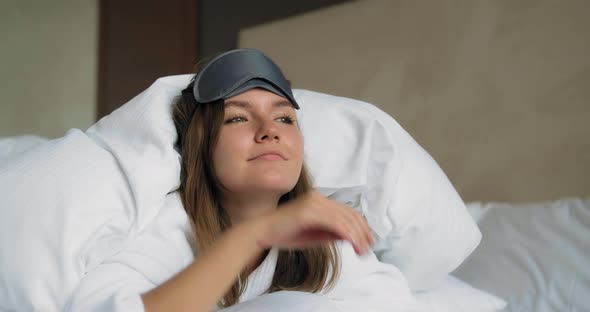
x=267 y=131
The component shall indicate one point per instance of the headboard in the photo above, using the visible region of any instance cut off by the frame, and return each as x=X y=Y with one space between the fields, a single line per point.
x=498 y=92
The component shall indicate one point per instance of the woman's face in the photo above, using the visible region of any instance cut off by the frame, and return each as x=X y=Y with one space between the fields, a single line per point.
x=260 y=147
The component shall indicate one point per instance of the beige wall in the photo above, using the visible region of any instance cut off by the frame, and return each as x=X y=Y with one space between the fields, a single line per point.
x=48 y=65
x=497 y=91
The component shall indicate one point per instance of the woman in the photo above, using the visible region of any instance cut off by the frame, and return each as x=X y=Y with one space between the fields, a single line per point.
x=246 y=191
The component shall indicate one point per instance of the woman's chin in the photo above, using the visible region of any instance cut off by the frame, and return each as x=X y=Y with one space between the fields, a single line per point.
x=272 y=186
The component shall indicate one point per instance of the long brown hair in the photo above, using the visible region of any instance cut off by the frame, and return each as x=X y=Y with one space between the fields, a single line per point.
x=311 y=269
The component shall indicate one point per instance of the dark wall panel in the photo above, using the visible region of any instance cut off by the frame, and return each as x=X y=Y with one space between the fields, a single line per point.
x=139 y=41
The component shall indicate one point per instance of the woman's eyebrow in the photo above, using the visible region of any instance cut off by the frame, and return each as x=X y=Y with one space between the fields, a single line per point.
x=280 y=103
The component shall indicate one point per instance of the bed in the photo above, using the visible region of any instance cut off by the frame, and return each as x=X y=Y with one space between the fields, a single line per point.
x=532 y=256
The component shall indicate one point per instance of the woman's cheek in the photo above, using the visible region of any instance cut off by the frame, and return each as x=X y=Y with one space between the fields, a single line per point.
x=297 y=144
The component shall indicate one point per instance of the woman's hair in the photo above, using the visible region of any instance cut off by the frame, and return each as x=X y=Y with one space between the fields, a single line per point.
x=198 y=127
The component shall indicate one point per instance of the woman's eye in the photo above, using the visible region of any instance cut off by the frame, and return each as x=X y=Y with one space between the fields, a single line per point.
x=236 y=119
x=286 y=119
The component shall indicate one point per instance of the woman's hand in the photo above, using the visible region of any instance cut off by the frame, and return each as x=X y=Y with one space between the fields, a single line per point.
x=313 y=219
x=306 y=221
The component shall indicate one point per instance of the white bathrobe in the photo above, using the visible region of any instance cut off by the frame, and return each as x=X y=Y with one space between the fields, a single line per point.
x=165 y=247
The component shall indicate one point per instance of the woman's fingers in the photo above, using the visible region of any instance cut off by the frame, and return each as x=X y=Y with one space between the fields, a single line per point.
x=365 y=227
x=313 y=219
x=315 y=236
x=352 y=225
x=360 y=228
x=358 y=223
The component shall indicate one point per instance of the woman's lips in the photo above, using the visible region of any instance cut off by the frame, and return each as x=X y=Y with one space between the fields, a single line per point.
x=269 y=156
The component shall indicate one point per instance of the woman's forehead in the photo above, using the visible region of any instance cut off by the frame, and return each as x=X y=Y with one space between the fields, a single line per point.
x=257 y=98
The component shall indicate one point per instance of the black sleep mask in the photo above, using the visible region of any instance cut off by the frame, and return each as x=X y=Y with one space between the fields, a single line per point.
x=237 y=71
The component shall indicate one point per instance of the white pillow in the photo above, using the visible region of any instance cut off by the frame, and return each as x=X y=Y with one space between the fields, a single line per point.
x=358 y=154
x=454 y=295
x=69 y=203
x=16 y=145
x=534 y=255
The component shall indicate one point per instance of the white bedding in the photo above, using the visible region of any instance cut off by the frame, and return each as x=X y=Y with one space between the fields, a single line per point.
x=165 y=247
x=536 y=256
x=16 y=145
x=81 y=200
